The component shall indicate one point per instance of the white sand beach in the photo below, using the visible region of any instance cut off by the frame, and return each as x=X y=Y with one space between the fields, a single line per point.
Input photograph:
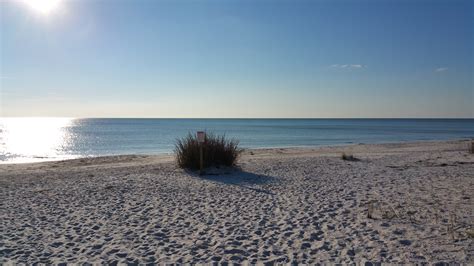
x=400 y=203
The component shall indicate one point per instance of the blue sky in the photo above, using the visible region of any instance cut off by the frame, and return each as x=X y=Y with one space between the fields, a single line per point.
x=147 y=58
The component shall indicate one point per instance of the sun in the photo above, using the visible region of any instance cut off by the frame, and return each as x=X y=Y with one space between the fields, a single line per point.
x=43 y=6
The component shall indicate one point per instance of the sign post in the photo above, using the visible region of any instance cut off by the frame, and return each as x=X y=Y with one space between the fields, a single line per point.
x=201 y=135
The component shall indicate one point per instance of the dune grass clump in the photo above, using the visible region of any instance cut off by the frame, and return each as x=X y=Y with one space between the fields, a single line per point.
x=348 y=157
x=217 y=151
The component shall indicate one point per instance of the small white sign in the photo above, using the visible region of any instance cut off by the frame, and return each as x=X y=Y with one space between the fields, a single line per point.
x=200 y=136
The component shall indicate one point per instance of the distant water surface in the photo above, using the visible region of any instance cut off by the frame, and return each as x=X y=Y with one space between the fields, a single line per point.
x=43 y=139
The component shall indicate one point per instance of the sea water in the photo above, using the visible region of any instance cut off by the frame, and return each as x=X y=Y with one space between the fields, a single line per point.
x=43 y=139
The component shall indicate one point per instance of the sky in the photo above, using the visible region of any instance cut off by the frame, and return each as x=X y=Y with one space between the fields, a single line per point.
x=238 y=59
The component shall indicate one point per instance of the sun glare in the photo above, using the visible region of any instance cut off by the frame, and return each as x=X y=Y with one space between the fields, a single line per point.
x=43 y=6
x=34 y=138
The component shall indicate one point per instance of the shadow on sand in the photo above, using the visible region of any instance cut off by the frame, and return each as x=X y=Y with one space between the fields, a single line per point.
x=237 y=177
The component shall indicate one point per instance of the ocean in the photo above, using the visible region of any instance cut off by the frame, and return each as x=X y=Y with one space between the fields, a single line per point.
x=45 y=139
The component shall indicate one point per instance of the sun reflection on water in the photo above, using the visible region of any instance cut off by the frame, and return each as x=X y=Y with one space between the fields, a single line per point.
x=34 y=139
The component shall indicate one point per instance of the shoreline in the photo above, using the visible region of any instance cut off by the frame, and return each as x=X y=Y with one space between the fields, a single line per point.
x=303 y=147
x=400 y=203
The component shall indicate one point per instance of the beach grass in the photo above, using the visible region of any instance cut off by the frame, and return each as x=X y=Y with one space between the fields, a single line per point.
x=218 y=150
x=348 y=157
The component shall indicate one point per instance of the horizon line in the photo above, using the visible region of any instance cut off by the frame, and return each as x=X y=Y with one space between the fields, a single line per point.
x=249 y=118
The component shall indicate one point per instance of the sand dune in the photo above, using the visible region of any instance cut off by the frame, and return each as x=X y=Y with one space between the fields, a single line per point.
x=400 y=203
